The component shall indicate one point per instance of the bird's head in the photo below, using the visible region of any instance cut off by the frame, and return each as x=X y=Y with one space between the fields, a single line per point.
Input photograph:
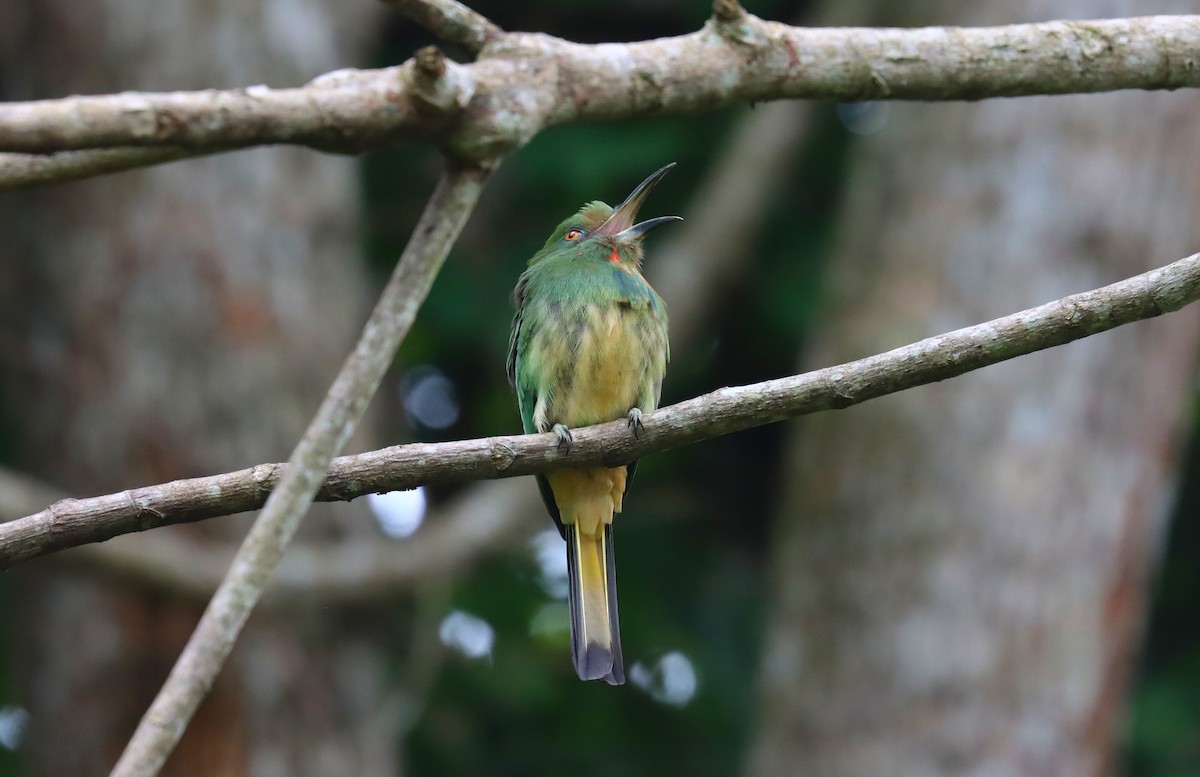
x=598 y=226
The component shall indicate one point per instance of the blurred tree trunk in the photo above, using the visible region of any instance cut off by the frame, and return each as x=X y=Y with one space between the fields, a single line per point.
x=960 y=571
x=175 y=322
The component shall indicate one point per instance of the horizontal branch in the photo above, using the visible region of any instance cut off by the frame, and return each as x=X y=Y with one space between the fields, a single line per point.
x=77 y=521
x=523 y=83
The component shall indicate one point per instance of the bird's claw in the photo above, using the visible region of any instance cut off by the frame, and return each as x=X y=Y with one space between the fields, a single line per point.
x=565 y=438
x=635 y=422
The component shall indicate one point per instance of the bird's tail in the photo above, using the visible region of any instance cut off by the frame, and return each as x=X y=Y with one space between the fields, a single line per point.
x=595 y=633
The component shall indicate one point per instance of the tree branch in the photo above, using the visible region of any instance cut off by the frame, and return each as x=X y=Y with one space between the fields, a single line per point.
x=74 y=522
x=347 y=399
x=451 y=21
x=490 y=516
x=20 y=170
x=523 y=83
x=352 y=570
x=480 y=520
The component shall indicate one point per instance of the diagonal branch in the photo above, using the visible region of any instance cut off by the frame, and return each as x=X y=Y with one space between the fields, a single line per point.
x=524 y=83
x=451 y=21
x=344 y=404
x=74 y=522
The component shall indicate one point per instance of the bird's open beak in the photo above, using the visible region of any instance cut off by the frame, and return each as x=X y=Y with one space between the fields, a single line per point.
x=620 y=223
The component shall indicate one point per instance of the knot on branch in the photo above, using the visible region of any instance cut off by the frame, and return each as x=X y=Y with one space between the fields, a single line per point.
x=430 y=64
x=838 y=388
x=735 y=24
x=147 y=517
x=502 y=456
x=728 y=11
x=60 y=511
x=438 y=85
x=264 y=476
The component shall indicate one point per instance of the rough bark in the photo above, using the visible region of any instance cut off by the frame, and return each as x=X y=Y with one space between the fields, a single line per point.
x=960 y=571
x=162 y=324
x=523 y=83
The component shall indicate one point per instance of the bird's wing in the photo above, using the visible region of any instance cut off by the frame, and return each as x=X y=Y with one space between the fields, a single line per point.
x=515 y=336
x=527 y=397
x=653 y=389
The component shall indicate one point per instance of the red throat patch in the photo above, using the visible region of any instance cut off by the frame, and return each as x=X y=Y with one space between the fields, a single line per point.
x=613 y=256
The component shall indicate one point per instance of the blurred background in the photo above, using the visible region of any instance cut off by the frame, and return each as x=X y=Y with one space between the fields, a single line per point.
x=991 y=576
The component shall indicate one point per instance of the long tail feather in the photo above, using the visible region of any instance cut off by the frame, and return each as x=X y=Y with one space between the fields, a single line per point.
x=595 y=632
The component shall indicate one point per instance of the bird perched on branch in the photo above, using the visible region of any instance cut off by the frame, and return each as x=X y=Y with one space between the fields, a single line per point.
x=588 y=345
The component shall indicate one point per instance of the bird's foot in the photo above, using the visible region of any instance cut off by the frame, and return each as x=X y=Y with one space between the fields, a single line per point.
x=635 y=422
x=565 y=438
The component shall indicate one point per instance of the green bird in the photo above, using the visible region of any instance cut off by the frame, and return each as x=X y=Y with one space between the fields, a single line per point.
x=589 y=344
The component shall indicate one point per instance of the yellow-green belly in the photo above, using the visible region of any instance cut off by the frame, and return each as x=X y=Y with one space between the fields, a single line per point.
x=610 y=365
x=600 y=375
x=607 y=371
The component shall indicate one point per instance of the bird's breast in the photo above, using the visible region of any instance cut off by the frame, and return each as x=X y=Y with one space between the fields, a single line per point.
x=610 y=353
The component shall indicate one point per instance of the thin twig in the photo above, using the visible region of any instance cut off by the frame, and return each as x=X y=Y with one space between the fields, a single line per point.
x=347 y=399
x=451 y=21
x=726 y=410
x=526 y=82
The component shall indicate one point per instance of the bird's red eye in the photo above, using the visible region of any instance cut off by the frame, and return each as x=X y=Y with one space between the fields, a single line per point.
x=572 y=234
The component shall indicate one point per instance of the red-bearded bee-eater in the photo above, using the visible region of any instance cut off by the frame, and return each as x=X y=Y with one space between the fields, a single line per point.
x=589 y=344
